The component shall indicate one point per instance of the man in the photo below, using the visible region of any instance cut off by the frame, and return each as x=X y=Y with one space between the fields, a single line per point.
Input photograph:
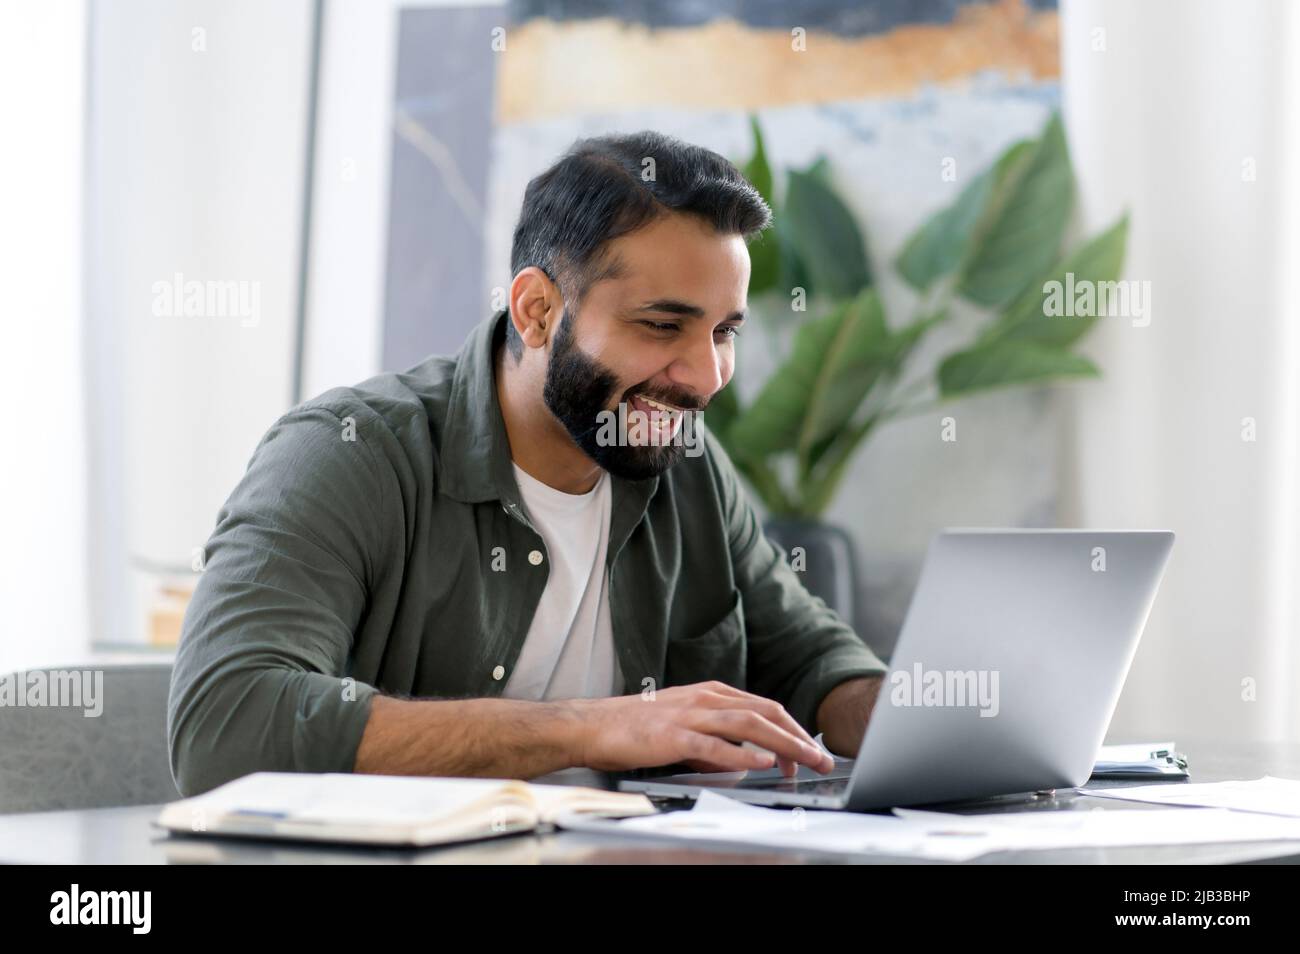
x=513 y=562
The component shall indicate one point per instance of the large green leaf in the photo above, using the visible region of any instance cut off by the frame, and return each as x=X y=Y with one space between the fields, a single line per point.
x=765 y=250
x=1003 y=363
x=1097 y=261
x=937 y=247
x=844 y=388
x=843 y=427
x=1019 y=233
x=793 y=272
x=823 y=348
x=816 y=489
x=757 y=170
x=821 y=168
x=723 y=409
x=826 y=235
x=849 y=372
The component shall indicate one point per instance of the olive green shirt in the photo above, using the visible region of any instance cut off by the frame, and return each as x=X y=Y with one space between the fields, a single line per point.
x=377 y=543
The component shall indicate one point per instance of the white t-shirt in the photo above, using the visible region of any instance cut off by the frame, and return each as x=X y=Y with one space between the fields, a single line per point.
x=569 y=650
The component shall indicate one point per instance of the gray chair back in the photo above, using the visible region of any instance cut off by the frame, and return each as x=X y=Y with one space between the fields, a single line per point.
x=58 y=756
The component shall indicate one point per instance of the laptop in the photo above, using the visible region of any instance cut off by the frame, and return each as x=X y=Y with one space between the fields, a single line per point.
x=1003 y=680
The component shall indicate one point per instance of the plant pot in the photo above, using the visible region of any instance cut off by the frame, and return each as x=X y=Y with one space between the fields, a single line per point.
x=825 y=564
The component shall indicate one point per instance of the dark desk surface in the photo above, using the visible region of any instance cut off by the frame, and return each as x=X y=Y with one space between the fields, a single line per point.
x=126 y=835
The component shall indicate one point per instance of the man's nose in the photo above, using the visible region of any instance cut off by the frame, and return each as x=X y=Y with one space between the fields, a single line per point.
x=699 y=369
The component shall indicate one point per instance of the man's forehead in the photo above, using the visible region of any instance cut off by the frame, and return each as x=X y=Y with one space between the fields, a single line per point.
x=675 y=237
x=668 y=272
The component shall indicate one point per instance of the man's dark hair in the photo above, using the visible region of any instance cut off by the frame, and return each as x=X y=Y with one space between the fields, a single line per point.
x=604 y=188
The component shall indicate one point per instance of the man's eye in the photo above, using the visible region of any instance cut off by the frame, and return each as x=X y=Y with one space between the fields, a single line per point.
x=731 y=331
x=660 y=325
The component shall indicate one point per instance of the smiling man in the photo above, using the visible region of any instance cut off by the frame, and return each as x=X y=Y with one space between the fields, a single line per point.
x=529 y=558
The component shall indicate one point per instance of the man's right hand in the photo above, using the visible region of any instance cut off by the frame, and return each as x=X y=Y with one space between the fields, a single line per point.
x=701 y=725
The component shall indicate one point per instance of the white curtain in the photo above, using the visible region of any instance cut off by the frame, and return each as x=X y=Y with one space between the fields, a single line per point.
x=1187 y=114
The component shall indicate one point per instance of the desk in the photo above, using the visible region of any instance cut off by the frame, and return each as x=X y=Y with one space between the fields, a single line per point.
x=126 y=836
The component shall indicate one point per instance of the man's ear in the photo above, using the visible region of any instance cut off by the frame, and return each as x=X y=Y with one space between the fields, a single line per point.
x=535 y=306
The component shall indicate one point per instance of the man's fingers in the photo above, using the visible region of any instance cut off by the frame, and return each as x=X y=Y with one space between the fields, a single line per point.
x=722 y=755
x=725 y=695
x=746 y=725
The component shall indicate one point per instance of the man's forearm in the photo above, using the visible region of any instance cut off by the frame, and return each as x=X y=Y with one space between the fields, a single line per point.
x=843 y=714
x=485 y=738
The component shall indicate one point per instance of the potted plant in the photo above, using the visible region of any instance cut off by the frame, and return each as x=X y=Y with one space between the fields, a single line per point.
x=850 y=369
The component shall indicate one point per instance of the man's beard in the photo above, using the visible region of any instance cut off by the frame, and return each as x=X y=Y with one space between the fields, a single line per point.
x=578 y=388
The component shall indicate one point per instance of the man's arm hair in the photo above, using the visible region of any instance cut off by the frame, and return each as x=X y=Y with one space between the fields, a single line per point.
x=486 y=738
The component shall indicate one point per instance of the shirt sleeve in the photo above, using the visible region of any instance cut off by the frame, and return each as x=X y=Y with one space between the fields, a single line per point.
x=260 y=681
x=799 y=649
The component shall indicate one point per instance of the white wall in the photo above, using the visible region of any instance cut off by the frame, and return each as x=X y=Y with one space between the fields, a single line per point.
x=197 y=155
x=43 y=559
x=1163 y=121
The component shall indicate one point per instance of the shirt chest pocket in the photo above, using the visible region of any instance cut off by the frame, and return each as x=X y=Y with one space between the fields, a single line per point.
x=718 y=652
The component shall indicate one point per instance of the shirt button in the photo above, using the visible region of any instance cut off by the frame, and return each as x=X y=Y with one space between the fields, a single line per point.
x=498 y=673
x=535 y=557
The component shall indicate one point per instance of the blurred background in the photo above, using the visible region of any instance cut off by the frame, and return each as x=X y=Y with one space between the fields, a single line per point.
x=339 y=180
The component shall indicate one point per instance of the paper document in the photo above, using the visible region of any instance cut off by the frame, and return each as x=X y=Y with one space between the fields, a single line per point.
x=716 y=818
x=1118 y=828
x=942 y=836
x=1274 y=796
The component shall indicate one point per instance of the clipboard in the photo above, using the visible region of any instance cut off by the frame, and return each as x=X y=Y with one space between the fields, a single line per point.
x=1161 y=763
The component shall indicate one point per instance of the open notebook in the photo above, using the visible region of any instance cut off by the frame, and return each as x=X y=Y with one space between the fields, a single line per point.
x=386 y=809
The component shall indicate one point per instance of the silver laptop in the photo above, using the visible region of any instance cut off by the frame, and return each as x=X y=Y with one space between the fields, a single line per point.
x=1003 y=680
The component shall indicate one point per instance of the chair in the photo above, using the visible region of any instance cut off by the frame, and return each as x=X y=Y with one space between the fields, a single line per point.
x=56 y=757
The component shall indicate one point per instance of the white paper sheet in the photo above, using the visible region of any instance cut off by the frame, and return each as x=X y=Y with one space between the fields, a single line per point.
x=718 y=818
x=1117 y=828
x=946 y=837
x=1274 y=796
